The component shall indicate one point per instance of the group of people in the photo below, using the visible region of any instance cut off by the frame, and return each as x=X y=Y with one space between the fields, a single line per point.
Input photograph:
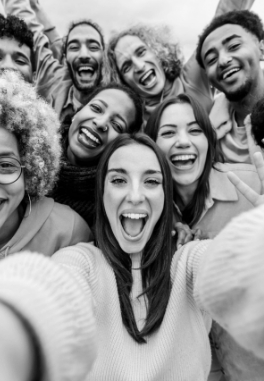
x=112 y=157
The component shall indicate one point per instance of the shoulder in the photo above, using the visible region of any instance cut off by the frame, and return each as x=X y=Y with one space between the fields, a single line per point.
x=246 y=172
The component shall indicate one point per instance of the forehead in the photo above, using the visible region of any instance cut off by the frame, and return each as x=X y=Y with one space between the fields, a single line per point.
x=8 y=142
x=84 y=32
x=177 y=113
x=217 y=38
x=126 y=46
x=134 y=158
x=12 y=46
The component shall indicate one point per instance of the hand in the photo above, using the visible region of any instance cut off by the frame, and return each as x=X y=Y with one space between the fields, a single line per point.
x=243 y=188
x=184 y=234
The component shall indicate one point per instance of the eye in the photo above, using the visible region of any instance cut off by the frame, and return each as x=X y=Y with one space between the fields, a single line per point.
x=96 y=108
x=8 y=167
x=167 y=133
x=152 y=182
x=196 y=131
x=73 y=47
x=20 y=62
x=141 y=52
x=126 y=67
x=234 y=46
x=117 y=126
x=94 y=48
x=210 y=61
x=118 y=181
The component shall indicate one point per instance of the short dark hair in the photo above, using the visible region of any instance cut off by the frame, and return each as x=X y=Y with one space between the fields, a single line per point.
x=246 y=19
x=194 y=210
x=74 y=24
x=157 y=254
x=257 y=122
x=16 y=28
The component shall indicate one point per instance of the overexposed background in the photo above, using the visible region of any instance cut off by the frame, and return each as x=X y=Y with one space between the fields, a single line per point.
x=187 y=18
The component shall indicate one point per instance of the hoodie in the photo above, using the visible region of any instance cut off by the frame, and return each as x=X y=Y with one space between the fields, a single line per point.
x=47 y=228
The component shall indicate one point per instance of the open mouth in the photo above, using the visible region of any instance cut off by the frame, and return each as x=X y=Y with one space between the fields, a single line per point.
x=89 y=139
x=183 y=161
x=133 y=223
x=148 y=79
x=229 y=73
x=86 y=72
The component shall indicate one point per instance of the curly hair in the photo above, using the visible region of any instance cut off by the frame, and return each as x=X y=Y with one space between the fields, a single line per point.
x=158 y=40
x=257 y=122
x=35 y=125
x=74 y=24
x=14 y=27
x=246 y=19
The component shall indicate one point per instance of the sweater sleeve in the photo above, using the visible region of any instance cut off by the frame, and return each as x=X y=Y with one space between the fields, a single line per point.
x=56 y=303
x=229 y=283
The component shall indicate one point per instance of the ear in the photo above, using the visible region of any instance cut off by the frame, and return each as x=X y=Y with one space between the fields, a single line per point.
x=34 y=77
x=261 y=47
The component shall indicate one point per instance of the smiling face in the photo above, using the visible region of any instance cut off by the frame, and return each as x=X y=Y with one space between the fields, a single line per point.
x=110 y=113
x=11 y=195
x=139 y=66
x=133 y=195
x=17 y=57
x=183 y=142
x=231 y=57
x=84 y=54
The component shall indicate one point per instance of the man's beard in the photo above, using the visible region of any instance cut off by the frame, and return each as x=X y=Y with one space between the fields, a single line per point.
x=90 y=85
x=240 y=93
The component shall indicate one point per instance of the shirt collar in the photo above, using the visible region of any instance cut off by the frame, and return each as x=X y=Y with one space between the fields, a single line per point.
x=71 y=101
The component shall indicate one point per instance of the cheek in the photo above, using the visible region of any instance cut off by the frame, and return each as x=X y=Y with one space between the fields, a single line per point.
x=112 y=134
x=165 y=145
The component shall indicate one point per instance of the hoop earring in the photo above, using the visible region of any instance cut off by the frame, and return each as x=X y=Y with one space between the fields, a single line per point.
x=30 y=208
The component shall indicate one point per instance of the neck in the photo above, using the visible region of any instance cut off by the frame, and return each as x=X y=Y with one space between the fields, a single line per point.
x=186 y=193
x=12 y=224
x=81 y=96
x=136 y=260
x=244 y=107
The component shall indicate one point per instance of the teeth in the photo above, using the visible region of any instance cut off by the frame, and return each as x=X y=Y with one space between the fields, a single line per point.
x=184 y=157
x=90 y=136
x=230 y=72
x=134 y=216
x=146 y=77
x=86 y=68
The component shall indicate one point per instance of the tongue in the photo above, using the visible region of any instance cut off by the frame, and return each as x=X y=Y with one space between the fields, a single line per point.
x=132 y=227
x=85 y=74
x=181 y=163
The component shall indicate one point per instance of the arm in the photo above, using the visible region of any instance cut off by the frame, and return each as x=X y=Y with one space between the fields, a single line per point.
x=49 y=29
x=229 y=285
x=54 y=298
x=193 y=76
x=48 y=69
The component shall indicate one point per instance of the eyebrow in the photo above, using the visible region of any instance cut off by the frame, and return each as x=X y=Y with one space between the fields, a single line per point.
x=106 y=105
x=8 y=153
x=175 y=125
x=124 y=172
x=224 y=42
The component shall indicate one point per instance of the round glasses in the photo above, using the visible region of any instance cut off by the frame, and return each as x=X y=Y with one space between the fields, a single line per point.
x=10 y=170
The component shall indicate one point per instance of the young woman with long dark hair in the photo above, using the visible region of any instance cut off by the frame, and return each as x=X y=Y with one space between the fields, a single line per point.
x=91 y=322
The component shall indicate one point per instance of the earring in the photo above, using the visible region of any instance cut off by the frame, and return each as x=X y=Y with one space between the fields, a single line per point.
x=29 y=212
x=104 y=129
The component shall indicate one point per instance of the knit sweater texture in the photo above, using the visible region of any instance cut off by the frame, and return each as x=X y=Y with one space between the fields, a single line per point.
x=223 y=278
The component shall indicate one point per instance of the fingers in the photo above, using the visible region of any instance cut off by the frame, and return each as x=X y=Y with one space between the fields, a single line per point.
x=184 y=234
x=197 y=234
x=259 y=164
x=243 y=188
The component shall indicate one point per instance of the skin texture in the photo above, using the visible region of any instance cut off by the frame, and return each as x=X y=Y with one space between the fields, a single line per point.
x=179 y=134
x=232 y=47
x=135 y=62
x=14 y=56
x=84 y=49
x=107 y=115
x=133 y=184
x=11 y=194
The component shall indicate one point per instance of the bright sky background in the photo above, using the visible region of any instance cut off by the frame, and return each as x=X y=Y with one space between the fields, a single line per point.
x=187 y=18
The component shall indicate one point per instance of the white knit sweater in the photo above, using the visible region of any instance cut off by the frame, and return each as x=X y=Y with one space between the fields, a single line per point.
x=224 y=279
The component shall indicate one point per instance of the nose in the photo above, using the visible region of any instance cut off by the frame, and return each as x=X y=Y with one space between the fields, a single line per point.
x=135 y=194
x=84 y=52
x=7 y=63
x=139 y=64
x=100 y=122
x=224 y=59
x=182 y=140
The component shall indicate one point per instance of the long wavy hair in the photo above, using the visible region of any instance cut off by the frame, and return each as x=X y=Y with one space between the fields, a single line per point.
x=157 y=254
x=159 y=41
x=194 y=209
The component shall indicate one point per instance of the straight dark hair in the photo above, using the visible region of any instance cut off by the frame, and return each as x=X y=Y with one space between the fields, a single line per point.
x=192 y=212
x=156 y=256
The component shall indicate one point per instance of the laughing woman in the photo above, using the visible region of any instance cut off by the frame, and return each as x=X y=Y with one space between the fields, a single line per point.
x=152 y=307
x=204 y=197
x=29 y=163
x=110 y=111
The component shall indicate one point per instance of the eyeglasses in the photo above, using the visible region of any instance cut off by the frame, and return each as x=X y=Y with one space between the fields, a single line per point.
x=10 y=170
